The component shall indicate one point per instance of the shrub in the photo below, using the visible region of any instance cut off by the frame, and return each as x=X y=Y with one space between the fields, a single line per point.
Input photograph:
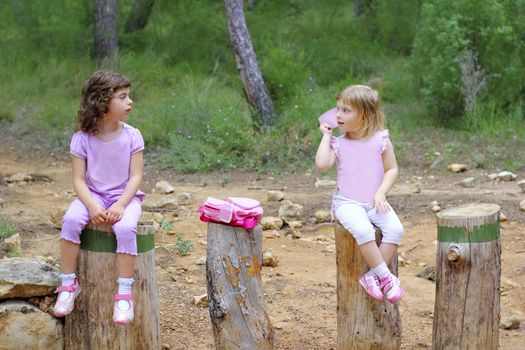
x=452 y=30
x=7 y=228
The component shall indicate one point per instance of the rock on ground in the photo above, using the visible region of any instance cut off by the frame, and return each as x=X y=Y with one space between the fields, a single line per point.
x=25 y=326
x=24 y=278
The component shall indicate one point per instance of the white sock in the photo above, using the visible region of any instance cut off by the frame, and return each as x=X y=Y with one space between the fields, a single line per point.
x=125 y=286
x=67 y=280
x=381 y=270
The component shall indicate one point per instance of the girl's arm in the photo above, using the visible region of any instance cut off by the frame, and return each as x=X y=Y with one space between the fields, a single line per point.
x=325 y=156
x=96 y=212
x=136 y=166
x=390 y=166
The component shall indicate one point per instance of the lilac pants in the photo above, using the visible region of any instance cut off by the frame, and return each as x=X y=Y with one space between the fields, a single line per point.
x=77 y=217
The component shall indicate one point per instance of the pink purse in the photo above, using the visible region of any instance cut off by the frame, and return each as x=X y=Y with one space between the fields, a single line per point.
x=235 y=211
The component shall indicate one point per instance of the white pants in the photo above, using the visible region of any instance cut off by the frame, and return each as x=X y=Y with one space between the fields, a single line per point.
x=358 y=218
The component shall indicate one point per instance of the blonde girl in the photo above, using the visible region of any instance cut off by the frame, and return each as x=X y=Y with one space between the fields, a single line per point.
x=366 y=170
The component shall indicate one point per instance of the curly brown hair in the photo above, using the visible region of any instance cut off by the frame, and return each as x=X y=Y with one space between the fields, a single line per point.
x=97 y=92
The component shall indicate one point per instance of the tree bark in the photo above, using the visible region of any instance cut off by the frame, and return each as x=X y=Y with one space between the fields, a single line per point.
x=254 y=87
x=105 y=45
x=468 y=270
x=360 y=7
x=362 y=322
x=138 y=18
x=90 y=325
x=252 y=4
x=235 y=297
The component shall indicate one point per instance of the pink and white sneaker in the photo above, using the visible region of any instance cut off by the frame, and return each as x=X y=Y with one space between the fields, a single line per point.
x=370 y=283
x=391 y=286
x=66 y=299
x=123 y=309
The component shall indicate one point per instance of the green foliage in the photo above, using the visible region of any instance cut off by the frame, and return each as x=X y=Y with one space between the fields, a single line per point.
x=393 y=23
x=188 y=97
x=182 y=246
x=7 y=228
x=14 y=253
x=164 y=225
x=449 y=30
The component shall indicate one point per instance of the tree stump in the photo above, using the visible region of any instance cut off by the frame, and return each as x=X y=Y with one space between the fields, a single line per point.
x=363 y=323
x=90 y=325
x=235 y=297
x=468 y=269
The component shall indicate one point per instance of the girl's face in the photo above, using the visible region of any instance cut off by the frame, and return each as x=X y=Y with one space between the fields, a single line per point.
x=347 y=117
x=119 y=106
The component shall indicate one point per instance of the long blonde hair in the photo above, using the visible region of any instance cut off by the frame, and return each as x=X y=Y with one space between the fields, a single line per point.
x=369 y=108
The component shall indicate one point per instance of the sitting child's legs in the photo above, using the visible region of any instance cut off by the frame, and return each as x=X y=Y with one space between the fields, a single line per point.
x=74 y=221
x=126 y=234
x=392 y=232
x=353 y=217
x=126 y=229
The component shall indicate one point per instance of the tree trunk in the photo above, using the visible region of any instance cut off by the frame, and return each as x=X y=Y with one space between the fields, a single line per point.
x=252 y=4
x=254 y=87
x=468 y=269
x=233 y=276
x=360 y=6
x=90 y=325
x=105 y=45
x=138 y=18
x=362 y=322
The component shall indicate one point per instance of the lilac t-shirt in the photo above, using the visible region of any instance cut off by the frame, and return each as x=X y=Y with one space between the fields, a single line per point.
x=360 y=169
x=108 y=163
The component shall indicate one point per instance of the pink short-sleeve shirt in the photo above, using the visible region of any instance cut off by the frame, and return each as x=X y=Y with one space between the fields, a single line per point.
x=360 y=169
x=108 y=163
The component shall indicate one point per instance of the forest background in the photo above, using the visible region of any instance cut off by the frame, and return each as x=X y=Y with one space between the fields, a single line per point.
x=451 y=73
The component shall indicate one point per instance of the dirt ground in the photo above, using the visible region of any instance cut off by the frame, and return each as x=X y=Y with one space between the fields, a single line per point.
x=300 y=293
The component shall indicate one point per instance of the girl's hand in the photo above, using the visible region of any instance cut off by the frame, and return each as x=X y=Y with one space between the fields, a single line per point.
x=115 y=213
x=380 y=203
x=326 y=129
x=97 y=215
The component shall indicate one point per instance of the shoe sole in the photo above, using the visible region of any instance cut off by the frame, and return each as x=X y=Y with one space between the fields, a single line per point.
x=366 y=291
x=397 y=298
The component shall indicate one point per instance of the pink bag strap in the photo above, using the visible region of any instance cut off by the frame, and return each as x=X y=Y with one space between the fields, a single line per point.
x=244 y=203
x=217 y=210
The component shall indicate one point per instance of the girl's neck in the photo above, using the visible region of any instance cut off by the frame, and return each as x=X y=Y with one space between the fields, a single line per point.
x=109 y=127
x=354 y=135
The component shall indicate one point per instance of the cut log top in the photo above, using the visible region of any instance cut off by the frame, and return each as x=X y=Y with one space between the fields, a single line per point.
x=478 y=213
x=470 y=211
x=472 y=223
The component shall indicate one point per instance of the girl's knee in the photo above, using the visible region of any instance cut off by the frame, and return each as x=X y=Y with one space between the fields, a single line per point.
x=126 y=234
x=71 y=228
x=363 y=235
x=124 y=229
x=393 y=234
